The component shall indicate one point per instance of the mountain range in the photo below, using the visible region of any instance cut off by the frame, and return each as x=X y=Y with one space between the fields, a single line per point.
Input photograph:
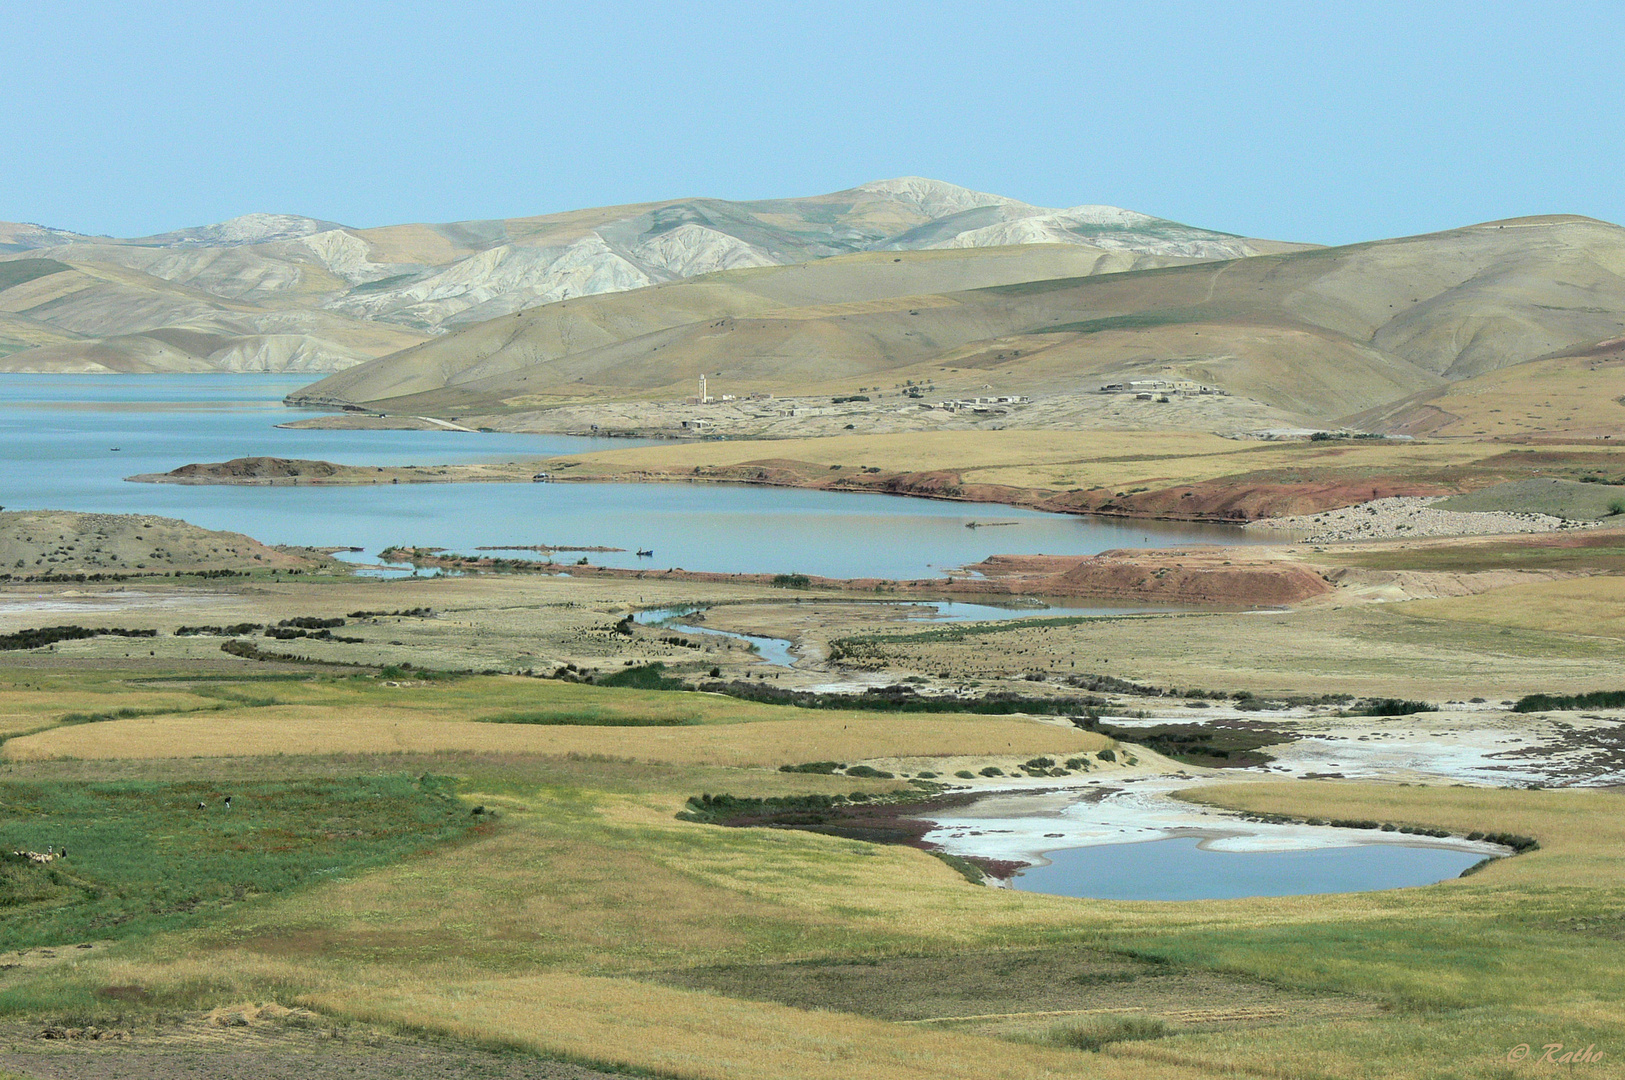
x=895 y=283
x=275 y=292
x=1315 y=335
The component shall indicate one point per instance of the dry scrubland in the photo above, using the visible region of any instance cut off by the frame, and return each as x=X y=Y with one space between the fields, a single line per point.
x=1498 y=620
x=1151 y=474
x=1383 y=651
x=34 y=543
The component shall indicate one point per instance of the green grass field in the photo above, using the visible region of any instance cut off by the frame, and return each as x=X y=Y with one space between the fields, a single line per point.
x=1605 y=555
x=1560 y=498
x=142 y=856
x=586 y=921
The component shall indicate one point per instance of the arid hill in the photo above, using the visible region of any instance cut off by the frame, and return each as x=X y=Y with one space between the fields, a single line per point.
x=269 y=292
x=1316 y=334
x=39 y=543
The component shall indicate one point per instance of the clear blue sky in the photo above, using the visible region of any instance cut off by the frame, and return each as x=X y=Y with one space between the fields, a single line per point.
x=1318 y=122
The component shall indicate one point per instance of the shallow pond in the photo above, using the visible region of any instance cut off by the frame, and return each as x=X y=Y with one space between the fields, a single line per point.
x=67 y=442
x=1184 y=868
x=778 y=650
x=773 y=650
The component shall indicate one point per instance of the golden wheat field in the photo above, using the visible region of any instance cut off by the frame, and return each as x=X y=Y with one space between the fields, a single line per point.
x=305 y=731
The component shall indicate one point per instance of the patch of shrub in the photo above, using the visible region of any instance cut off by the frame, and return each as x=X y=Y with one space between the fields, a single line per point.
x=823 y=768
x=792 y=581
x=969 y=870
x=50 y=635
x=965 y=774
x=643 y=677
x=1517 y=843
x=869 y=772
x=288 y=633
x=1107 y=755
x=1597 y=699
x=1098 y=1032
x=901 y=697
x=992 y=770
x=1394 y=707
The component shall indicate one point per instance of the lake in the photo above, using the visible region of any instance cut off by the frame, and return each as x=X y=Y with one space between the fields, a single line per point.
x=67 y=442
x=1182 y=869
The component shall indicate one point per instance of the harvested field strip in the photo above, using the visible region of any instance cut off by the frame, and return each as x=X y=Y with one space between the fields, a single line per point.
x=1592 y=550
x=1034 y=468
x=692 y=1034
x=493 y=698
x=1024 y=1015
x=1592 y=606
x=1580 y=827
x=985 y=987
x=759 y=744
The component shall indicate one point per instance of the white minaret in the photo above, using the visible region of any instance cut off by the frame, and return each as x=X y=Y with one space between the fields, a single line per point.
x=703 y=397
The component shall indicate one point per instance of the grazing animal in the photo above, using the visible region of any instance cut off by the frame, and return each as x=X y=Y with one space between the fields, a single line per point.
x=41 y=857
x=202 y=806
x=228 y=802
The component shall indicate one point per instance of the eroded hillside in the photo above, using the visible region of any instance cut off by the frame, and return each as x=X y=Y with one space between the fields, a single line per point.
x=283 y=292
x=1311 y=335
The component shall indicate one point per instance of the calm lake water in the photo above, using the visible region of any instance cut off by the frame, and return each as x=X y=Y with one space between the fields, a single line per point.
x=1178 y=869
x=67 y=442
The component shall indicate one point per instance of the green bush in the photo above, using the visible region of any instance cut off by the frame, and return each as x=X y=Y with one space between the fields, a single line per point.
x=1394 y=707
x=1107 y=755
x=965 y=774
x=643 y=677
x=1599 y=699
x=992 y=770
x=1096 y=1032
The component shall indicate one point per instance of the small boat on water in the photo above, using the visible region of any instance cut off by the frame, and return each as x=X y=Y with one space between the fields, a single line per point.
x=646 y=554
